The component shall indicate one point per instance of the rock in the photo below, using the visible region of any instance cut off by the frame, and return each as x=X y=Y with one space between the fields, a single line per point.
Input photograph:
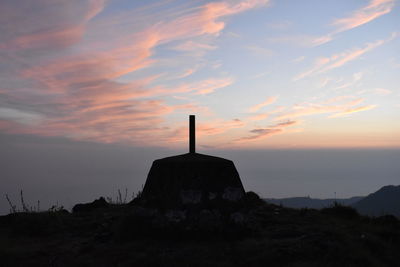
x=208 y=220
x=89 y=207
x=175 y=216
x=232 y=194
x=190 y=179
x=237 y=218
x=190 y=196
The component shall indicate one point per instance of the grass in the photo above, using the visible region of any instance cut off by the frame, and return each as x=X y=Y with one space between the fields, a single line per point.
x=26 y=208
x=127 y=234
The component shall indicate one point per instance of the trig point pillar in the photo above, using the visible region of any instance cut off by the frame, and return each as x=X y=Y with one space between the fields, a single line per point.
x=192 y=134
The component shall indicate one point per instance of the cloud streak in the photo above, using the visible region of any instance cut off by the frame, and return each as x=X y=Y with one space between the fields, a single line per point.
x=373 y=10
x=268 y=101
x=337 y=106
x=368 y=13
x=261 y=133
x=324 y=64
x=352 y=110
x=73 y=78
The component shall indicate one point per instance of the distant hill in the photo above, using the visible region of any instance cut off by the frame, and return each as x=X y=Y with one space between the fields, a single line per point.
x=312 y=203
x=384 y=201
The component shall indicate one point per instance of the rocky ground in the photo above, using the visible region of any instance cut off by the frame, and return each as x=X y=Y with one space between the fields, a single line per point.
x=248 y=233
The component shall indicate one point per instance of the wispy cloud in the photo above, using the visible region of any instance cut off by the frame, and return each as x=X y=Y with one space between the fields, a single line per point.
x=325 y=64
x=337 y=107
x=261 y=133
x=194 y=46
x=382 y=91
x=268 y=101
x=187 y=73
x=76 y=90
x=51 y=25
x=373 y=10
x=300 y=39
x=355 y=80
x=218 y=126
x=368 y=13
x=20 y=116
x=260 y=51
x=281 y=25
x=352 y=110
x=299 y=59
x=202 y=87
x=258 y=117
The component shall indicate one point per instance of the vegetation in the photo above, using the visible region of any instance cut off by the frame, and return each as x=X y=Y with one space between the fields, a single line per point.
x=248 y=233
x=26 y=208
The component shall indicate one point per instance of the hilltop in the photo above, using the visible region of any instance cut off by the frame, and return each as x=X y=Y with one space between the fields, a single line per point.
x=311 y=203
x=249 y=233
x=385 y=201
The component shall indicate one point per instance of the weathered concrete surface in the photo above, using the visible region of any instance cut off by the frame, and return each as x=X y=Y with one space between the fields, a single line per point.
x=192 y=179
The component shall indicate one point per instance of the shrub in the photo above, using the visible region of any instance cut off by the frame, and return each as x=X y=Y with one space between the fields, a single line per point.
x=341 y=211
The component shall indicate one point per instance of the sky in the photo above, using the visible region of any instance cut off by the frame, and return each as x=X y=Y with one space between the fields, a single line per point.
x=260 y=75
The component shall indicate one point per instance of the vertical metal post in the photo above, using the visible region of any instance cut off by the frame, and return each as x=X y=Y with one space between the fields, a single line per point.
x=192 y=134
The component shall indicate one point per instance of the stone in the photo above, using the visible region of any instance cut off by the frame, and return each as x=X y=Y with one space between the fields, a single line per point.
x=192 y=178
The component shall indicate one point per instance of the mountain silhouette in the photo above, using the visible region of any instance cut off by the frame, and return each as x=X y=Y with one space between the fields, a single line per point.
x=384 y=201
x=311 y=203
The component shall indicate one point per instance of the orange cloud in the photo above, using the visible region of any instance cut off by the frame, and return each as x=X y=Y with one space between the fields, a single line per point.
x=333 y=105
x=352 y=110
x=258 y=117
x=268 y=101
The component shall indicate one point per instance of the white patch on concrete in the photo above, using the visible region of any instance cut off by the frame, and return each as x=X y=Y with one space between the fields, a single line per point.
x=190 y=196
x=232 y=194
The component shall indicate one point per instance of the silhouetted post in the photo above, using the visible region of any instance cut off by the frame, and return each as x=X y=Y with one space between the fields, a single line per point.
x=192 y=134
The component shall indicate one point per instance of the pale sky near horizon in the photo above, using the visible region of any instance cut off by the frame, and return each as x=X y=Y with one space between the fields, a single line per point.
x=257 y=73
x=303 y=95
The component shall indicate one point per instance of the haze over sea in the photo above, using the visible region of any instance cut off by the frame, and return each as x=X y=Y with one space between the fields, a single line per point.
x=57 y=170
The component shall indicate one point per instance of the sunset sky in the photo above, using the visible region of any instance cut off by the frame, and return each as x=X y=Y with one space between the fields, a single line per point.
x=304 y=95
x=257 y=73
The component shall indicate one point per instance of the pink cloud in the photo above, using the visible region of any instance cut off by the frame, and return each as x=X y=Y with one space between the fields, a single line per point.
x=368 y=13
x=218 y=127
x=268 y=101
x=75 y=91
x=325 y=64
x=337 y=106
x=194 y=46
x=57 y=24
x=263 y=116
x=302 y=39
x=373 y=10
x=261 y=133
x=382 y=91
x=258 y=117
x=186 y=73
x=353 y=110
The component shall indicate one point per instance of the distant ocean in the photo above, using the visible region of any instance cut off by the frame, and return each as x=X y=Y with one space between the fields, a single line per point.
x=59 y=171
